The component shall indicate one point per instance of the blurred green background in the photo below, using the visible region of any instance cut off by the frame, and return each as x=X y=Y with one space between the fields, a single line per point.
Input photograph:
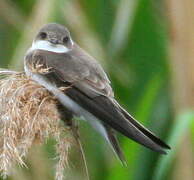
x=145 y=47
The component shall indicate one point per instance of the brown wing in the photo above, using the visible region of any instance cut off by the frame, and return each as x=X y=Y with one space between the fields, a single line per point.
x=78 y=68
x=78 y=72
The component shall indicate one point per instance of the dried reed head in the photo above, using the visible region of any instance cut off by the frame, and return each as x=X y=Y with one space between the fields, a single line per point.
x=28 y=114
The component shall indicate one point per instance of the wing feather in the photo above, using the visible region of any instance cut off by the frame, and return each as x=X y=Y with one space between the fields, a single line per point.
x=91 y=90
x=80 y=69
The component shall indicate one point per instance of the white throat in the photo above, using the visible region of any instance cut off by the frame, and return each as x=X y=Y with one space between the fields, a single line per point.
x=47 y=46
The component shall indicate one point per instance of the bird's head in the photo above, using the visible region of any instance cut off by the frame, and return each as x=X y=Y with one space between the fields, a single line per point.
x=53 y=37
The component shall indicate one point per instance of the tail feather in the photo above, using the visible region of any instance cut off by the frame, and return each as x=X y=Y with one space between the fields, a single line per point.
x=115 y=145
x=109 y=135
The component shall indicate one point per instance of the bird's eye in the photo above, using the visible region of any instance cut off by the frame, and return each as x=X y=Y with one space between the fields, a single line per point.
x=43 y=35
x=66 y=39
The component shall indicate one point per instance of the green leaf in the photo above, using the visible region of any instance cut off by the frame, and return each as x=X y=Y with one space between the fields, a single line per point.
x=181 y=126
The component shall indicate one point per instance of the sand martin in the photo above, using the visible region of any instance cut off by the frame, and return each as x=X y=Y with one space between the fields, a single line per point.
x=79 y=82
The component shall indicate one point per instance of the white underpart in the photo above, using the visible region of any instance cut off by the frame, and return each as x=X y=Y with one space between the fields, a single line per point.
x=69 y=103
x=47 y=46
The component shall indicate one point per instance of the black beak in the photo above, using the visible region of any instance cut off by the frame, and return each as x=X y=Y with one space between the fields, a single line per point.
x=54 y=41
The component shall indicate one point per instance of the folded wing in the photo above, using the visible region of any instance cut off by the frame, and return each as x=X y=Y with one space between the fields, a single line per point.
x=91 y=90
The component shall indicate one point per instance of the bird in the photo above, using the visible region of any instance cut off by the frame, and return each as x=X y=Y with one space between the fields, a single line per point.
x=80 y=84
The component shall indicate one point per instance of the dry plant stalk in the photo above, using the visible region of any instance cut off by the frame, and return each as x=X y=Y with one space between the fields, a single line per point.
x=28 y=114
